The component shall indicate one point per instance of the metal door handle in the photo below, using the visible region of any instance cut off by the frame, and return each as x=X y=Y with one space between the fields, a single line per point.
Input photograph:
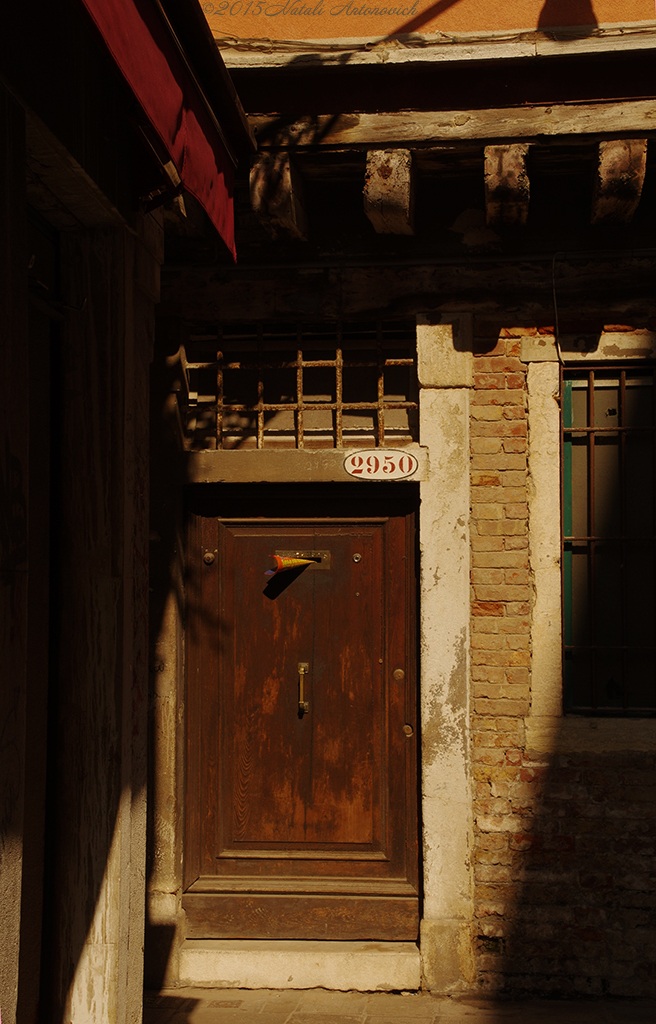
x=303 y=705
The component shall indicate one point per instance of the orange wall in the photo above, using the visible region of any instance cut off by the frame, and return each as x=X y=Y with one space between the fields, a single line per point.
x=333 y=19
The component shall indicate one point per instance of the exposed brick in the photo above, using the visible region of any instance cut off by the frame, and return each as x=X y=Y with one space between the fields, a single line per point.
x=488 y=575
x=513 y=494
x=501 y=691
x=489 y=380
x=518 y=332
x=500 y=461
x=515 y=543
x=498 y=559
x=487 y=510
x=516 y=575
x=514 y=445
x=492 y=873
x=515 y=380
x=495 y=843
x=506 y=527
x=485 y=445
x=488 y=608
x=487 y=755
x=501 y=658
x=501 y=823
x=507 y=624
x=487 y=493
x=487 y=412
x=498 y=363
x=493 y=426
x=518 y=608
x=487 y=543
x=519 y=510
x=486 y=672
x=503 y=592
x=504 y=396
x=517 y=641
x=485 y=479
x=487 y=641
x=514 y=478
x=513 y=412
x=517 y=675
x=504 y=706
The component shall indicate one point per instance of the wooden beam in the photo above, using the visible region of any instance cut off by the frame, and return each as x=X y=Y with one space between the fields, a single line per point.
x=621 y=287
x=619 y=180
x=389 y=191
x=277 y=195
x=407 y=127
x=507 y=186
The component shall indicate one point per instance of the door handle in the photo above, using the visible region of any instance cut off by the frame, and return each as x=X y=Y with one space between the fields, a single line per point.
x=303 y=705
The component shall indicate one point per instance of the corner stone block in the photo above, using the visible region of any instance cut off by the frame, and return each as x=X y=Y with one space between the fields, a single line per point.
x=445 y=351
x=389 y=191
x=619 y=180
x=447 y=956
x=276 y=190
x=507 y=185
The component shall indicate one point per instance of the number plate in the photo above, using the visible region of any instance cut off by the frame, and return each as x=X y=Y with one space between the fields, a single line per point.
x=381 y=464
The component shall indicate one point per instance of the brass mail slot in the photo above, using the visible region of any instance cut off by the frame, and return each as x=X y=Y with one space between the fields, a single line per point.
x=322 y=557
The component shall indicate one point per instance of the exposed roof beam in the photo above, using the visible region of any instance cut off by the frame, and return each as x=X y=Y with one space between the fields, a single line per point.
x=507 y=186
x=276 y=190
x=389 y=191
x=407 y=127
x=619 y=180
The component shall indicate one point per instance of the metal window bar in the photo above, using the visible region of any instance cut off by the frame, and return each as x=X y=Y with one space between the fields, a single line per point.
x=256 y=360
x=339 y=378
x=219 y=392
x=596 y=379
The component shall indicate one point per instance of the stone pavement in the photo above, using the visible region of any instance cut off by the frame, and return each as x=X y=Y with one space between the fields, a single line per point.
x=317 y=1006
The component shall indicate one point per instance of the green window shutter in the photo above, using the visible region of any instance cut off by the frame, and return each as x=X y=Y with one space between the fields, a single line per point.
x=567 y=546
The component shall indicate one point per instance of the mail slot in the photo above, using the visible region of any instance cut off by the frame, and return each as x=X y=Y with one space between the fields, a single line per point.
x=323 y=557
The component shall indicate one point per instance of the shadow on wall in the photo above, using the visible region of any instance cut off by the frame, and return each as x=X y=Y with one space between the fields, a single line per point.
x=565 y=855
x=566 y=19
x=569 y=18
x=158 y=1008
x=569 y=907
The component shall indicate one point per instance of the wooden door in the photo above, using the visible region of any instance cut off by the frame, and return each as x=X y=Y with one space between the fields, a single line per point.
x=302 y=823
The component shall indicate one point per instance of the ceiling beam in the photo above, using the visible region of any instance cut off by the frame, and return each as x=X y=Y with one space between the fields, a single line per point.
x=389 y=191
x=411 y=127
x=276 y=190
x=507 y=185
x=619 y=180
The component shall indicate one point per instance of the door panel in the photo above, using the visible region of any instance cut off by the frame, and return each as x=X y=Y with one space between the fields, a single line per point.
x=308 y=819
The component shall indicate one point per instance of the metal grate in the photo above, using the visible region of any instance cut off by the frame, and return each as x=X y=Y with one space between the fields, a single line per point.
x=609 y=533
x=297 y=386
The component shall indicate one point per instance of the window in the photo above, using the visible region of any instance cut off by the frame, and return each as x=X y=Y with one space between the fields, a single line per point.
x=328 y=385
x=609 y=567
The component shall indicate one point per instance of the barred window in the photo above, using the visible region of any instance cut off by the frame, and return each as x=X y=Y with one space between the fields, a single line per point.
x=609 y=517
x=327 y=385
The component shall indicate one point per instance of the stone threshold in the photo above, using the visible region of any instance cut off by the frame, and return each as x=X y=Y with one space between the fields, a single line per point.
x=295 y=964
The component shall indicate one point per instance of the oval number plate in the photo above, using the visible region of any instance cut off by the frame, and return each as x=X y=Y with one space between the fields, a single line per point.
x=381 y=464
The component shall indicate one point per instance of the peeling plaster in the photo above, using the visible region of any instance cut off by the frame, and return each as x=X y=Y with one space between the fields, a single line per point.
x=445 y=559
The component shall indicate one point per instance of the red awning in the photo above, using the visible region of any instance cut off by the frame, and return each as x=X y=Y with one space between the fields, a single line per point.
x=147 y=57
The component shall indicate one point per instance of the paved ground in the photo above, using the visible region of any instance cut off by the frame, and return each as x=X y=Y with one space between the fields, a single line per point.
x=316 y=1006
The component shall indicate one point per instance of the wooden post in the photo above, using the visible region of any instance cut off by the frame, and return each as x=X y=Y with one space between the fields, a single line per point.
x=507 y=185
x=619 y=180
x=389 y=191
x=277 y=195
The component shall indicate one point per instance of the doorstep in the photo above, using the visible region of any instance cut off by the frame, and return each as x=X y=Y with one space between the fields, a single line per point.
x=342 y=966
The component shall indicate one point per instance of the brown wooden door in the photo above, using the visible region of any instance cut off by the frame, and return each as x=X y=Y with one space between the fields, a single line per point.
x=302 y=825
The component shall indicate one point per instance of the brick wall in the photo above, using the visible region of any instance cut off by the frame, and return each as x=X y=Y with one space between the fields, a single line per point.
x=565 y=845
